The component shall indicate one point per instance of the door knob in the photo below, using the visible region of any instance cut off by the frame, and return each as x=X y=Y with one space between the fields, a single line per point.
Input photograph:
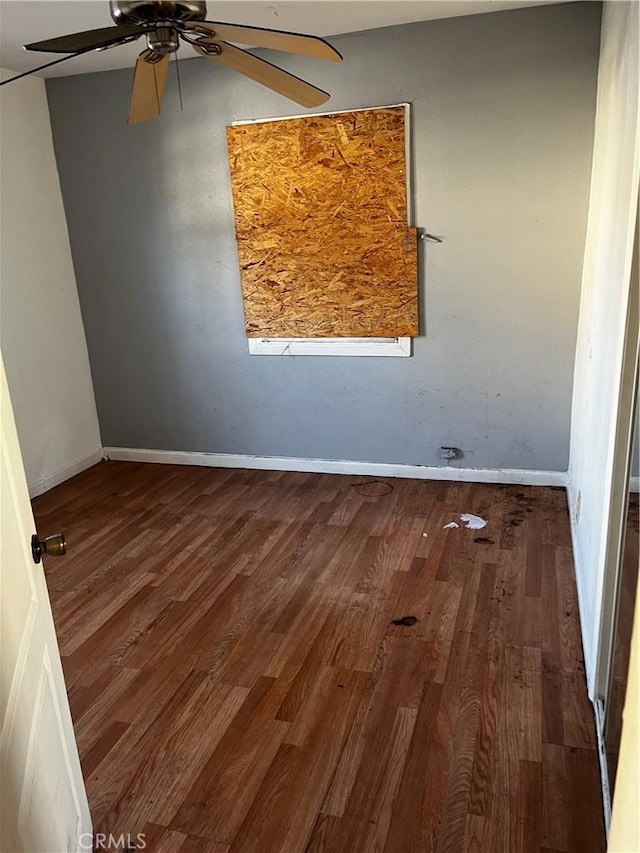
x=52 y=546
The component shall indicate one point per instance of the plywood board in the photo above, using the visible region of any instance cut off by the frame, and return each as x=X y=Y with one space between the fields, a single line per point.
x=321 y=224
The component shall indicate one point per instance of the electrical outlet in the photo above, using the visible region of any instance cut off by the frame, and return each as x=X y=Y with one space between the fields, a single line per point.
x=449 y=452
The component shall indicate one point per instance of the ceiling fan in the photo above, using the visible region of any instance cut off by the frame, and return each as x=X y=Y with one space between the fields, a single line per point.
x=165 y=24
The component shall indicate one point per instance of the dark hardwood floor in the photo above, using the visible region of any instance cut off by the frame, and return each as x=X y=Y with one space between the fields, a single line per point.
x=237 y=682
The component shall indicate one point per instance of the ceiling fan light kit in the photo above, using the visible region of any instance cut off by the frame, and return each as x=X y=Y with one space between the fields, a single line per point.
x=165 y=24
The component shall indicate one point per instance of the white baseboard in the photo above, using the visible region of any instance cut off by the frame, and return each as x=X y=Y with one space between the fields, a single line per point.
x=43 y=485
x=634 y=484
x=331 y=466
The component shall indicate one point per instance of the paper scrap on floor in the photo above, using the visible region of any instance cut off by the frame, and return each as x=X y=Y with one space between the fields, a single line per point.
x=451 y=525
x=473 y=522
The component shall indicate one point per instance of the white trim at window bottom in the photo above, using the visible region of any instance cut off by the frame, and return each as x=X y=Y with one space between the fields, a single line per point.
x=393 y=347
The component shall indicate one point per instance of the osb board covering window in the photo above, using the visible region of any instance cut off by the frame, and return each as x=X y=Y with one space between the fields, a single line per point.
x=321 y=223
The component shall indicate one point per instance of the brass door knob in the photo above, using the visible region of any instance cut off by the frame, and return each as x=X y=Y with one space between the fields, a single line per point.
x=52 y=546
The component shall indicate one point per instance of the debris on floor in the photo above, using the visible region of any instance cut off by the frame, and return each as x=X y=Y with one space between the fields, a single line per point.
x=425 y=535
x=406 y=621
x=484 y=540
x=451 y=525
x=473 y=522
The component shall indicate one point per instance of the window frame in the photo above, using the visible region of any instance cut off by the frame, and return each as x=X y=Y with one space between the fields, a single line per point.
x=399 y=347
x=396 y=347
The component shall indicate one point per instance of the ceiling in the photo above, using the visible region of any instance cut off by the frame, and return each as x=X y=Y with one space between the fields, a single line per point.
x=22 y=21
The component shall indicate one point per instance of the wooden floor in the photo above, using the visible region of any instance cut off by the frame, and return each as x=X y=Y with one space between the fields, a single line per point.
x=237 y=682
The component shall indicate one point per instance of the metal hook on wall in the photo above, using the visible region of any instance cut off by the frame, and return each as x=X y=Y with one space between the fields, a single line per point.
x=430 y=238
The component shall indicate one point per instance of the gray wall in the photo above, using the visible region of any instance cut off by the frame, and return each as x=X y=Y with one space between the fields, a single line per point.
x=503 y=111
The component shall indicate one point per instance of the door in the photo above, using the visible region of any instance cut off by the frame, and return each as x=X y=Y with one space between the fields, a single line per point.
x=621 y=563
x=623 y=620
x=44 y=803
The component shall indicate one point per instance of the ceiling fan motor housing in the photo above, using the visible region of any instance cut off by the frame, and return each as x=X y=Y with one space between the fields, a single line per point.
x=159 y=18
x=144 y=13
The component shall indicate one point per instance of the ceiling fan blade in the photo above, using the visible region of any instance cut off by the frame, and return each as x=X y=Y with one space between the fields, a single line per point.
x=264 y=72
x=41 y=67
x=89 y=40
x=304 y=45
x=147 y=92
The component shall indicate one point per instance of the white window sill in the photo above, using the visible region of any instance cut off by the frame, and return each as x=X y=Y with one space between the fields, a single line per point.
x=388 y=347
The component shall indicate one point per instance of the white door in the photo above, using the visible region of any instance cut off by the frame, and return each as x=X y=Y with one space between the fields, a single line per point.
x=44 y=803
